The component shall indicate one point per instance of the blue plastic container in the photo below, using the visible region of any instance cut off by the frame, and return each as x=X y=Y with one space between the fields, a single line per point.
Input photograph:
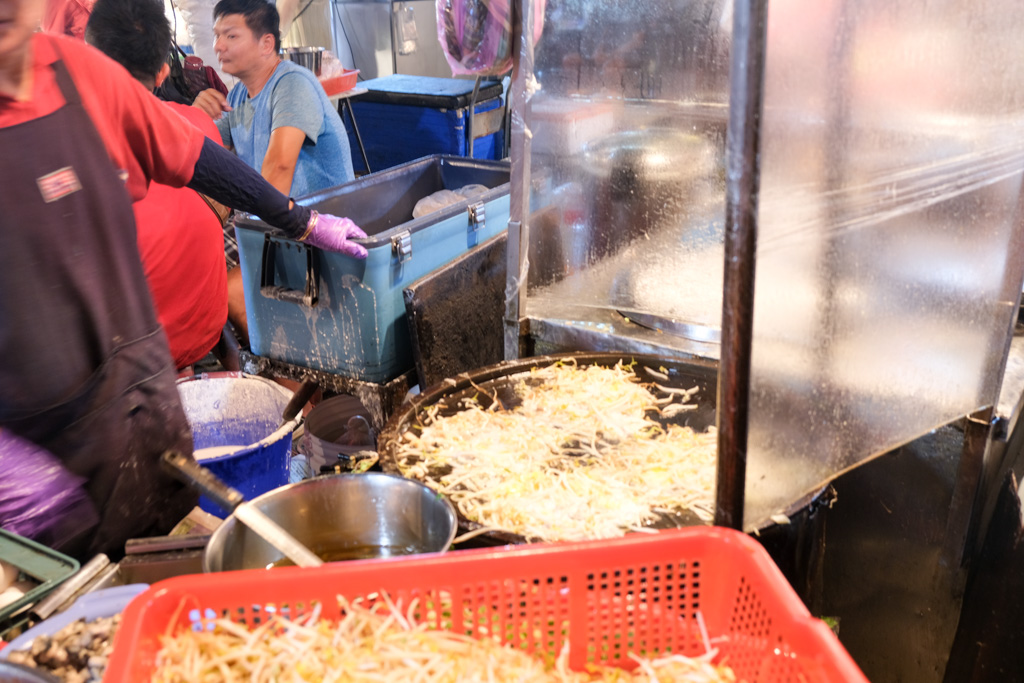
x=331 y=312
x=237 y=431
x=403 y=117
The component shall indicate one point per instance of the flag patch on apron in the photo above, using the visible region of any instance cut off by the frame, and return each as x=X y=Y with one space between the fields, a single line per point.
x=58 y=184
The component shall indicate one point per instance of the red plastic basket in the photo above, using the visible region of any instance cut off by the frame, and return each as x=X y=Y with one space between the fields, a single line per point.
x=337 y=84
x=643 y=594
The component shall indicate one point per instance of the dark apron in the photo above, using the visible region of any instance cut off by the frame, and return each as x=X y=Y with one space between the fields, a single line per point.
x=85 y=369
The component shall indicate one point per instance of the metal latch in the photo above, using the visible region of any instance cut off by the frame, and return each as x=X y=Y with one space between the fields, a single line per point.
x=401 y=246
x=477 y=216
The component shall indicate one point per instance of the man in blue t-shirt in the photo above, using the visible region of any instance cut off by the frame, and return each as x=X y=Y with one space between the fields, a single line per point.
x=277 y=118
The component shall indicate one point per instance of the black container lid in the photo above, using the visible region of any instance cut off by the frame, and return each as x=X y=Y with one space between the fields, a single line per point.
x=427 y=91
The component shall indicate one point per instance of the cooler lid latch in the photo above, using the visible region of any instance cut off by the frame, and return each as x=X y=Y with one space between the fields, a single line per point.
x=477 y=216
x=401 y=246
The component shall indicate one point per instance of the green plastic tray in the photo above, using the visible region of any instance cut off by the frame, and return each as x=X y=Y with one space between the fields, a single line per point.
x=39 y=563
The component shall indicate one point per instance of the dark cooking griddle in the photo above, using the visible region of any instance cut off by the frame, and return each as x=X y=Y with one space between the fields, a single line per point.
x=797 y=547
x=497 y=382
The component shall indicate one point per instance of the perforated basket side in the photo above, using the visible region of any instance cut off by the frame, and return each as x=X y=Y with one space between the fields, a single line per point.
x=643 y=594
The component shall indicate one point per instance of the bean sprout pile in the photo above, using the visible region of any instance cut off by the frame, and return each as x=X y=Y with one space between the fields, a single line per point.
x=381 y=643
x=579 y=458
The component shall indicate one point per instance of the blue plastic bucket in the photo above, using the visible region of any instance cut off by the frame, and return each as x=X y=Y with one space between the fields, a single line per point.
x=237 y=431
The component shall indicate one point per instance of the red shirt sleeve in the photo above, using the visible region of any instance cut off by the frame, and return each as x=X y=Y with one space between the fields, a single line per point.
x=146 y=140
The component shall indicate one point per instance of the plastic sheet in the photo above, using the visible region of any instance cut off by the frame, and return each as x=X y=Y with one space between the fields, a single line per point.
x=628 y=137
x=888 y=264
x=477 y=35
x=888 y=267
x=39 y=498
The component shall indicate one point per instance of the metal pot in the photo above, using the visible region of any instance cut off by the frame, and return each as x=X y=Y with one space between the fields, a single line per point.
x=309 y=57
x=338 y=429
x=344 y=517
x=642 y=181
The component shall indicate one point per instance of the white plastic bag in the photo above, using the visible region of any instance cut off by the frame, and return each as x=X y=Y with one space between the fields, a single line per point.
x=330 y=66
x=442 y=198
x=435 y=202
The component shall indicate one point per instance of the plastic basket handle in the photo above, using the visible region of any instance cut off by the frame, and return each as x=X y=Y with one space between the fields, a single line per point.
x=268 y=280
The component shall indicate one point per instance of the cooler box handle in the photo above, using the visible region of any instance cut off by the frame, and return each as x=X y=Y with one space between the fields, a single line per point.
x=271 y=290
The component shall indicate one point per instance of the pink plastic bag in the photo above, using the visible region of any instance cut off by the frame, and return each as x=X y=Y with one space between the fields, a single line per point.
x=477 y=36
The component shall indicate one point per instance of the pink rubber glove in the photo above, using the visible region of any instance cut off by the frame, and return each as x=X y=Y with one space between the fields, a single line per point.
x=334 y=234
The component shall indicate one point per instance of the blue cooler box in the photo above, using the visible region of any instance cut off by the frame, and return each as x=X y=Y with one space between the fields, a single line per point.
x=331 y=312
x=402 y=118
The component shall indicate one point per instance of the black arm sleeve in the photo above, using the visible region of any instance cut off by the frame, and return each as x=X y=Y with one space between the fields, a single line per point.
x=226 y=178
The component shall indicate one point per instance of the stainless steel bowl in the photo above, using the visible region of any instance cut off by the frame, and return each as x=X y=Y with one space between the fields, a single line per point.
x=309 y=57
x=343 y=517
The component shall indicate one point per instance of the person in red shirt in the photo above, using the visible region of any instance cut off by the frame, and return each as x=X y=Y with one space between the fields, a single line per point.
x=86 y=374
x=179 y=233
x=67 y=17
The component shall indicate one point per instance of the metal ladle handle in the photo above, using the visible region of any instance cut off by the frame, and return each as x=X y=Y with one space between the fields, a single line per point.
x=202 y=479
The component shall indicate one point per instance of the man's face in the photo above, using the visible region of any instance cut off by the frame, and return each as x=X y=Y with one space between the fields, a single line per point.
x=18 y=20
x=238 y=49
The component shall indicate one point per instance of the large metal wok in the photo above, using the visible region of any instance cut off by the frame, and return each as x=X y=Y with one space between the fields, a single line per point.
x=796 y=546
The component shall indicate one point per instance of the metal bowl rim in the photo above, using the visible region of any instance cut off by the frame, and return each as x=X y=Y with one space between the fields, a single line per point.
x=453 y=518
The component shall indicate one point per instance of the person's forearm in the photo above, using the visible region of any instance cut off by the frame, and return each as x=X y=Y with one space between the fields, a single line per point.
x=224 y=177
x=282 y=157
x=278 y=175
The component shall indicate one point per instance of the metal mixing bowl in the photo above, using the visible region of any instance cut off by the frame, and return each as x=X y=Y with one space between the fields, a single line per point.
x=342 y=517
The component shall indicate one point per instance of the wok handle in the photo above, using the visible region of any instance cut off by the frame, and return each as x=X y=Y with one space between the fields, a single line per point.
x=206 y=482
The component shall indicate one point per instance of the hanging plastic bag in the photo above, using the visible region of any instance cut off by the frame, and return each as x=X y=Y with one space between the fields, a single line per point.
x=477 y=36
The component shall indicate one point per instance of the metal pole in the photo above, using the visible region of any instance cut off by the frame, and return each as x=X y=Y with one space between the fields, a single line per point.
x=743 y=146
x=961 y=520
x=519 y=209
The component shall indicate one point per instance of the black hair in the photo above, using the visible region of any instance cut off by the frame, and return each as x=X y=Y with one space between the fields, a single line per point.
x=134 y=33
x=260 y=16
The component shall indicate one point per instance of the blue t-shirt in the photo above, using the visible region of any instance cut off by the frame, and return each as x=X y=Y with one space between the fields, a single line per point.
x=292 y=97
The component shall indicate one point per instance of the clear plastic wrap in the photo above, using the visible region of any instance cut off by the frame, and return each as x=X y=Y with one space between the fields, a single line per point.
x=889 y=240
x=888 y=265
x=477 y=35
